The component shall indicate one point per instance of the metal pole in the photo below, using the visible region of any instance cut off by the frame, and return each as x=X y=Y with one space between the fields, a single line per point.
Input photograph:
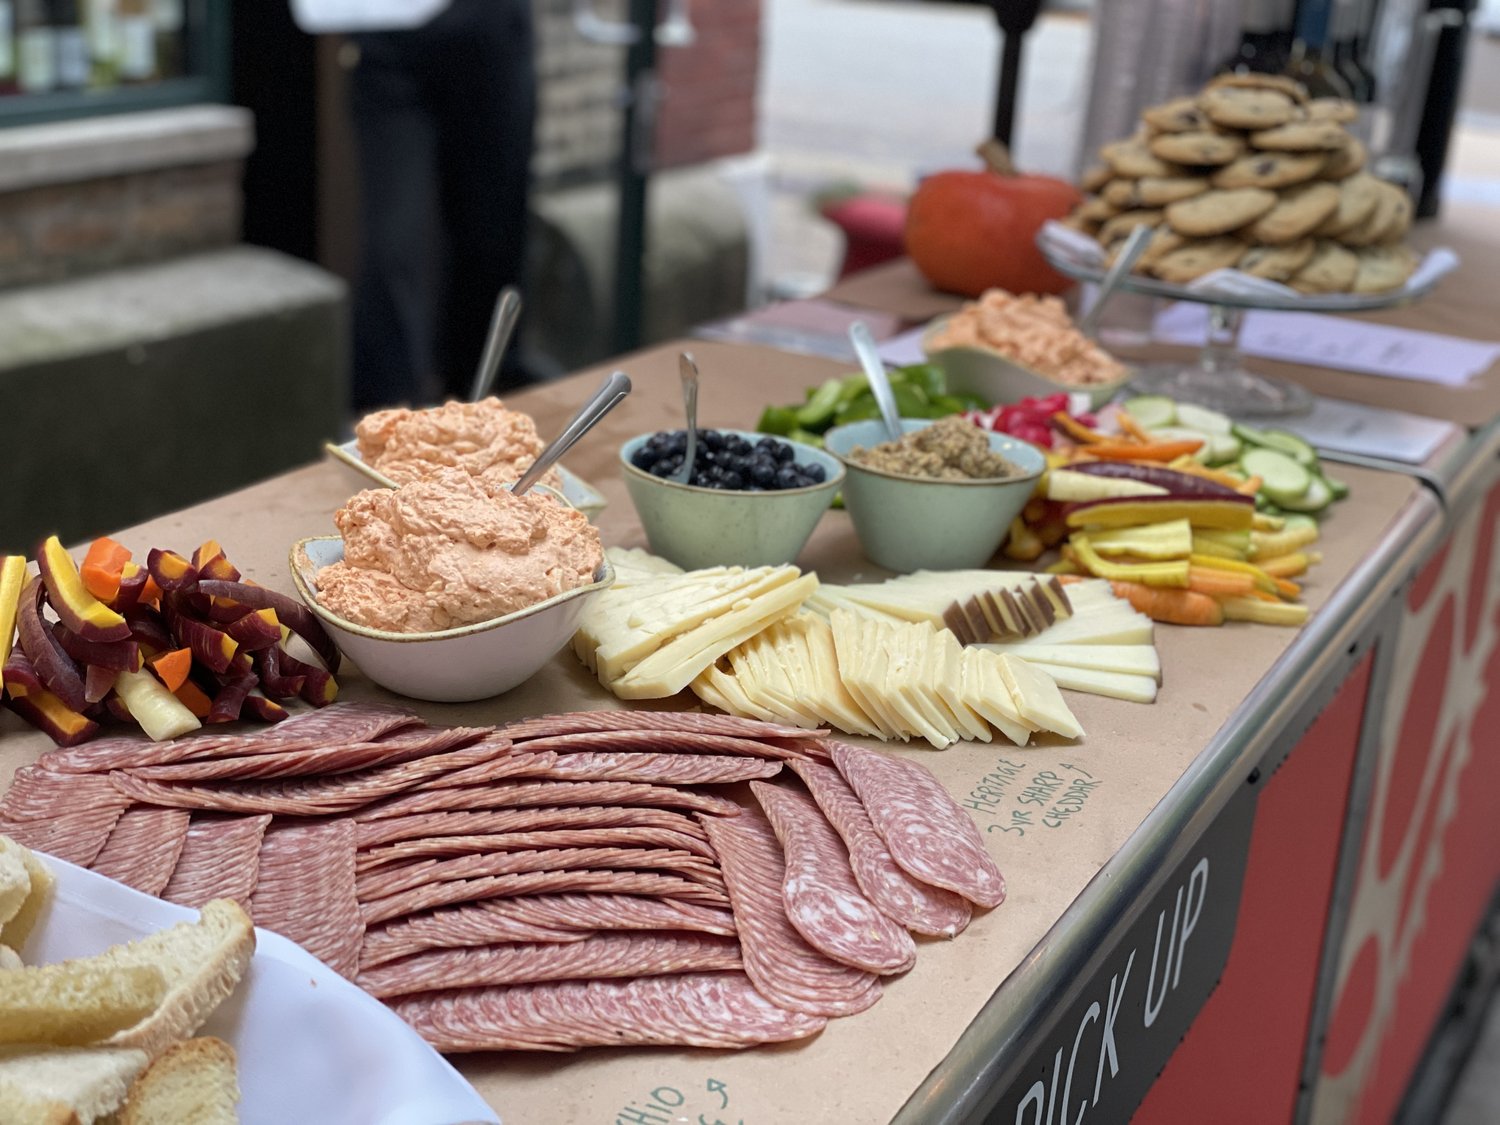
x=635 y=166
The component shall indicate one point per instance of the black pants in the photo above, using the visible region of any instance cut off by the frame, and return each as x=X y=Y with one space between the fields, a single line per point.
x=443 y=117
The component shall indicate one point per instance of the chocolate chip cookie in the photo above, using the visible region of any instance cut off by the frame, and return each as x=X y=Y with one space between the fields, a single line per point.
x=1240 y=107
x=1198 y=257
x=1180 y=115
x=1331 y=269
x=1341 y=110
x=1122 y=224
x=1357 y=198
x=1202 y=147
x=1253 y=80
x=1298 y=212
x=1345 y=161
x=1269 y=170
x=1131 y=159
x=1382 y=268
x=1094 y=178
x=1277 y=263
x=1387 y=222
x=1301 y=136
x=1158 y=191
x=1218 y=212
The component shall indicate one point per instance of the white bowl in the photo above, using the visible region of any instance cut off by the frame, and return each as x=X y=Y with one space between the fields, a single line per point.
x=577 y=491
x=456 y=665
x=997 y=378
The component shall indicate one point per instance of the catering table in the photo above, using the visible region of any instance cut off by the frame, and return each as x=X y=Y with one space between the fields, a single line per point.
x=1250 y=899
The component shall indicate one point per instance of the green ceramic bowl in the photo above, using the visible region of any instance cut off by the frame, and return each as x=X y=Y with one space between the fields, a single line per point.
x=907 y=523
x=698 y=527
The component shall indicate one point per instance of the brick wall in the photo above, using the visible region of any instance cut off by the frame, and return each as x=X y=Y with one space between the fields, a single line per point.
x=578 y=120
x=56 y=231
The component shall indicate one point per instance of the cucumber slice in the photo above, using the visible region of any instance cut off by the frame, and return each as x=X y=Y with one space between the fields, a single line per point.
x=1223 y=448
x=1298 y=519
x=1181 y=433
x=1201 y=418
x=1339 y=488
x=1290 y=444
x=1283 y=480
x=1247 y=434
x=1151 y=411
x=1317 y=497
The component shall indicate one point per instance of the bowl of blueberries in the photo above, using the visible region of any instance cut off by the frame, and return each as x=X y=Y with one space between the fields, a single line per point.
x=753 y=500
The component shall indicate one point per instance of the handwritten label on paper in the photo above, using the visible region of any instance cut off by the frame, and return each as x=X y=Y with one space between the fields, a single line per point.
x=671 y=1105
x=1013 y=797
x=1320 y=340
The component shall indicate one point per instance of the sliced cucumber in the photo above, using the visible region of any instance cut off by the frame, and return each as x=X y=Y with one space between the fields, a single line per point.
x=1339 y=488
x=1317 y=497
x=1202 y=418
x=1290 y=444
x=1182 y=433
x=1283 y=480
x=1298 y=519
x=1151 y=411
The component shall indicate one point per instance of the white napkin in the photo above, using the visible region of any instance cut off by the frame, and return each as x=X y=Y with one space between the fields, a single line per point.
x=311 y=1046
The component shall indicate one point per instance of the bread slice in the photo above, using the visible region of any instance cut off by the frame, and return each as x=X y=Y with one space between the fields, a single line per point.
x=65 y=1085
x=193 y=1083
x=15 y=932
x=15 y=879
x=76 y=1002
x=202 y=961
x=10 y=959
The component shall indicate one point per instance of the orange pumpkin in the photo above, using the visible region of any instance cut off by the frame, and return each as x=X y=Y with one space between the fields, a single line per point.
x=971 y=231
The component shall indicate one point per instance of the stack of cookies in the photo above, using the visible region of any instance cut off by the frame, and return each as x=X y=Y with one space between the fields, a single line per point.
x=1254 y=175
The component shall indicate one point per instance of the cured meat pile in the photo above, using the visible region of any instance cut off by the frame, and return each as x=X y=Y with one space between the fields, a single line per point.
x=562 y=882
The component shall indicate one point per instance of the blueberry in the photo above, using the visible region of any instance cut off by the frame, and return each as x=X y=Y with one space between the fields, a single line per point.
x=815 y=473
x=732 y=479
x=644 y=458
x=763 y=472
x=676 y=444
x=788 y=477
x=711 y=439
x=784 y=452
x=767 y=445
x=737 y=444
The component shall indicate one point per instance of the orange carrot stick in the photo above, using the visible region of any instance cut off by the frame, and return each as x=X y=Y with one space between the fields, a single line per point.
x=102 y=568
x=191 y=696
x=1132 y=427
x=1153 y=451
x=1076 y=429
x=172 y=668
x=1173 y=606
x=1219 y=583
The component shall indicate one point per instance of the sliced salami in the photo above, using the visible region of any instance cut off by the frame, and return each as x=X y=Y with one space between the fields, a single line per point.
x=477 y=923
x=659 y=742
x=77 y=837
x=143 y=848
x=439 y=846
x=540 y=882
x=36 y=793
x=691 y=722
x=338 y=723
x=927 y=831
x=915 y=905
x=822 y=899
x=418 y=825
x=220 y=859
x=596 y=958
x=786 y=970
x=305 y=891
x=722 y=1010
x=315 y=796
x=320 y=761
x=519 y=794
x=660 y=769
x=389 y=880
x=621 y=912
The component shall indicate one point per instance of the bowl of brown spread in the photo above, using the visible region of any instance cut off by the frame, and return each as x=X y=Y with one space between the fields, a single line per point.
x=942 y=497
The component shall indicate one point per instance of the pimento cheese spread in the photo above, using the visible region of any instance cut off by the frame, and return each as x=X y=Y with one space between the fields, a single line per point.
x=1035 y=332
x=451 y=550
x=483 y=438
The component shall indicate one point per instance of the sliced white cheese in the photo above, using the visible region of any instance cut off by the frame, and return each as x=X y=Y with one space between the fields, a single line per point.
x=948 y=675
x=906 y=683
x=1129 y=660
x=985 y=690
x=1115 y=685
x=1116 y=626
x=810 y=641
x=722 y=690
x=1037 y=698
x=849 y=648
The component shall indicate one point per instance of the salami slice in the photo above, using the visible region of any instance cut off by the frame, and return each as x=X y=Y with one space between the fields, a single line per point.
x=786 y=970
x=821 y=897
x=319 y=761
x=477 y=923
x=338 y=723
x=690 y=722
x=36 y=793
x=384 y=881
x=440 y=846
x=418 y=825
x=540 y=882
x=77 y=837
x=519 y=794
x=659 y=769
x=722 y=1010
x=621 y=912
x=660 y=742
x=305 y=891
x=143 y=848
x=315 y=796
x=599 y=957
x=927 y=831
x=220 y=859
x=915 y=905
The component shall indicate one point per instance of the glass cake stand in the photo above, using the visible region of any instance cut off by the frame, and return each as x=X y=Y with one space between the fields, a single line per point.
x=1218 y=378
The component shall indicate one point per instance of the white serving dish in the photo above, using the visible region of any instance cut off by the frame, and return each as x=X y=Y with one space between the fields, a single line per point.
x=456 y=665
x=999 y=379
x=311 y=1046
x=579 y=492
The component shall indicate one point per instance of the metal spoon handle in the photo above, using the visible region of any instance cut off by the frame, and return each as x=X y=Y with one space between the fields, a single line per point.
x=502 y=325
x=874 y=368
x=687 y=370
x=1134 y=247
x=609 y=395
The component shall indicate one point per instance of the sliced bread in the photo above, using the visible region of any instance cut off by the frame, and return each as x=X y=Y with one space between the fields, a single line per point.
x=65 y=1085
x=15 y=931
x=15 y=879
x=76 y=1002
x=193 y=1083
x=202 y=962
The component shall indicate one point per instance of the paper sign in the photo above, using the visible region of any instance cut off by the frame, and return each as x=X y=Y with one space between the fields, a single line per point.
x=1350 y=427
x=1349 y=345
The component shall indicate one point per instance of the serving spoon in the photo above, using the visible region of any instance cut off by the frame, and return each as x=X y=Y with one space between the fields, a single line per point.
x=502 y=325
x=687 y=370
x=1135 y=246
x=610 y=394
x=874 y=369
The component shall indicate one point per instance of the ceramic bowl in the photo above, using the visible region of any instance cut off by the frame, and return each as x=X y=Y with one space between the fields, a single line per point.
x=697 y=527
x=456 y=665
x=997 y=378
x=908 y=523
